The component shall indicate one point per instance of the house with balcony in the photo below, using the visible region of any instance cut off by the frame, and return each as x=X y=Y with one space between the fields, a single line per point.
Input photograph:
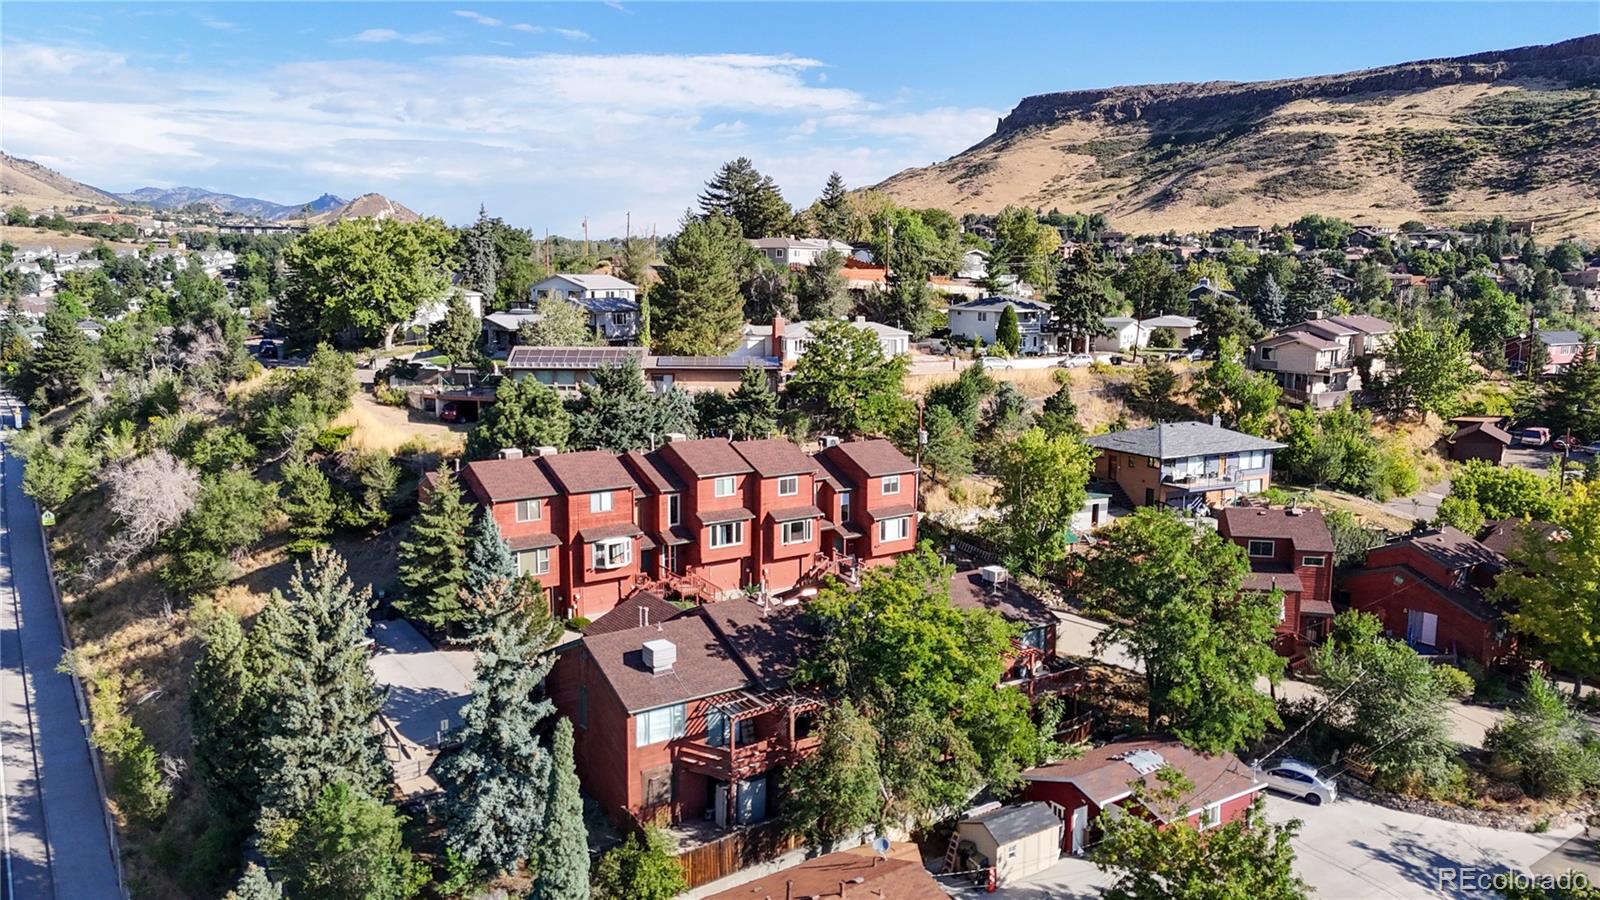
x=1316 y=361
x=1034 y=667
x=612 y=304
x=692 y=718
x=785 y=341
x=698 y=519
x=978 y=319
x=1428 y=588
x=1184 y=465
x=1290 y=550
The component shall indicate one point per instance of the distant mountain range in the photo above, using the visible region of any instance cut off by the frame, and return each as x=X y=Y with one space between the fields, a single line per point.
x=179 y=197
x=1508 y=132
x=26 y=183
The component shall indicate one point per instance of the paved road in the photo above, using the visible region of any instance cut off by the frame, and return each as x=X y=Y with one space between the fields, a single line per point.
x=55 y=840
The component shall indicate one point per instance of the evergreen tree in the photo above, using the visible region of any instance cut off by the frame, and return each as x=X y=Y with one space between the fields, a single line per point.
x=908 y=304
x=646 y=323
x=1008 y=334
x=374 y=494
x=255 y=885
x=833 y=209
x=482 y=263
x=489 y=557
x=561 y=851
x=1269 y=304
x=619 y=414
x=751 y=199
x=697 y=308
x=822 y=291
x=495 y=784
x=526 y=414
x=456 y=334
x=308 y=502
x=227 y=717
x=752 y=407
x=61 y=362
x=433 y=561
x=1060 y=414
x=1084 y=296
x=320 y=691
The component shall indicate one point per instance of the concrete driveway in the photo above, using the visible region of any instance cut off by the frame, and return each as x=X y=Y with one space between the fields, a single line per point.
x=1351 y=850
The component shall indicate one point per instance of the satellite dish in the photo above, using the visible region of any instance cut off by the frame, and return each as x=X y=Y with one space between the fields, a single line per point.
x=880 y=845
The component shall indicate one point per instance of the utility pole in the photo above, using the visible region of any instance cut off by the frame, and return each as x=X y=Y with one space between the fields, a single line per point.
x=585 y=237
x=546 y=251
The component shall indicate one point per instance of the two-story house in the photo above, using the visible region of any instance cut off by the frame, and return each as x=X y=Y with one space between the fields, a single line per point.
x=692 y=717
x=1187 y=465
x=787 y=341
x=1315 y=361
x=788 y=251
x=612 y=304
x=1561 y=350
x=1289 y=550
x=704 y=519
x=978 y=320
x=1428 y=589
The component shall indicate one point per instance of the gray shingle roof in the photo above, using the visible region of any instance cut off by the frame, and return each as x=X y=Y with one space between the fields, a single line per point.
x=1012 y=823
x=1176 y=440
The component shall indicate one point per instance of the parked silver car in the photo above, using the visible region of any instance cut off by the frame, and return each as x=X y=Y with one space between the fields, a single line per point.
x=1295 y=778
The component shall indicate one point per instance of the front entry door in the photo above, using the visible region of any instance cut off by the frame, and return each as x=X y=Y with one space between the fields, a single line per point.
x=1080 y=825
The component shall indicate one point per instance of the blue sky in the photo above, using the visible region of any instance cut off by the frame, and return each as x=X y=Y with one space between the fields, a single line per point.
x=553 y=112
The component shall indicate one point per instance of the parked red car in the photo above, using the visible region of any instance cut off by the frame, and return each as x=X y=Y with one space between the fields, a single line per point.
x=449 y=411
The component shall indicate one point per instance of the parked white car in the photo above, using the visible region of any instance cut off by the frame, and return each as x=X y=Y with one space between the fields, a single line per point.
x=1076 y=361
x=997 y=362
x=1295 y=778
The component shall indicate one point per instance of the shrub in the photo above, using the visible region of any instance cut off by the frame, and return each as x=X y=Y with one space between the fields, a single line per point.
x=389 y=396
x=1101 y=368
x=1548 y=742
x=639 y=871
x=1457 y=683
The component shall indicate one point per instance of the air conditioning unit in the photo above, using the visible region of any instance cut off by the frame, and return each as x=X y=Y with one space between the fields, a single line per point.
x=545 y=451
x=994 y=575
x=830 y=440
x=510 y=453
x=659 y=655
x=674 y=436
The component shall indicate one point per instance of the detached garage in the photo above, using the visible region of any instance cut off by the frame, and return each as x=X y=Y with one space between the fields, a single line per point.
x=1017 y=841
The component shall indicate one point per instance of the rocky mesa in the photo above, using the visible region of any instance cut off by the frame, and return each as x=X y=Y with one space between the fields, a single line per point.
x=1513 y=132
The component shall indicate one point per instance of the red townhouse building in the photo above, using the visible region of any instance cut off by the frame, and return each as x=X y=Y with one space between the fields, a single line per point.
x=703 y=518
x=1081 y=790
x=1290 y=549
x=689 y=718
x=1428 y=589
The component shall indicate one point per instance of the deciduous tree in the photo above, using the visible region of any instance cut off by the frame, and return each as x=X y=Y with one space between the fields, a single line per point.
x=1246 y=401
x=561 y=323
x=836 y=789
x=1550 y=745
x=1042 y=485
x=844 y=385
x=1175 y=598
x=1552 y=595
x=1426 y=370
x=1024 y=247
x=639 y=870
x=364 y=276
x=347 y=845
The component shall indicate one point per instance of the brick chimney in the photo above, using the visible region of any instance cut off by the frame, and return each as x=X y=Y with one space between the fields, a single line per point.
x=776 y=347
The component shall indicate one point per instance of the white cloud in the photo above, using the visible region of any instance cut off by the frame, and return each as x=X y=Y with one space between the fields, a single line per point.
x=387 y=35
x=478 y=17
x=573 y=34
x=545 y=137
x=524 y=26
x=218 y=24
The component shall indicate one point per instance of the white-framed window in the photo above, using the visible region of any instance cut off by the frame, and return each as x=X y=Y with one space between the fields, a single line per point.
x=613 y=553
x=891 y=484
x=725 y=486
x=788 y=485
x=534 y=562
x=527 y=510
x=1255 y=459
x=896 y=529
x=674 y=509
x=1210 y=816
x=1263 y=548
x=619 y=318
x=1253 y=486
x=844 y=506
x=797 y=532
x=653 y=726
x=1315 y=562
x=600 y=501
x=727 y=534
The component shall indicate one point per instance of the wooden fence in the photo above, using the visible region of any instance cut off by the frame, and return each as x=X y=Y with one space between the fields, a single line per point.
x=735 y=852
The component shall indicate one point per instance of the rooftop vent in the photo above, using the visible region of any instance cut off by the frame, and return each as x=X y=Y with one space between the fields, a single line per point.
x=510 y=452
x=675 y=436
x=830 y=440
x=1144 y=761
x=545 y=451
x=994 y=575
x=659 y=655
